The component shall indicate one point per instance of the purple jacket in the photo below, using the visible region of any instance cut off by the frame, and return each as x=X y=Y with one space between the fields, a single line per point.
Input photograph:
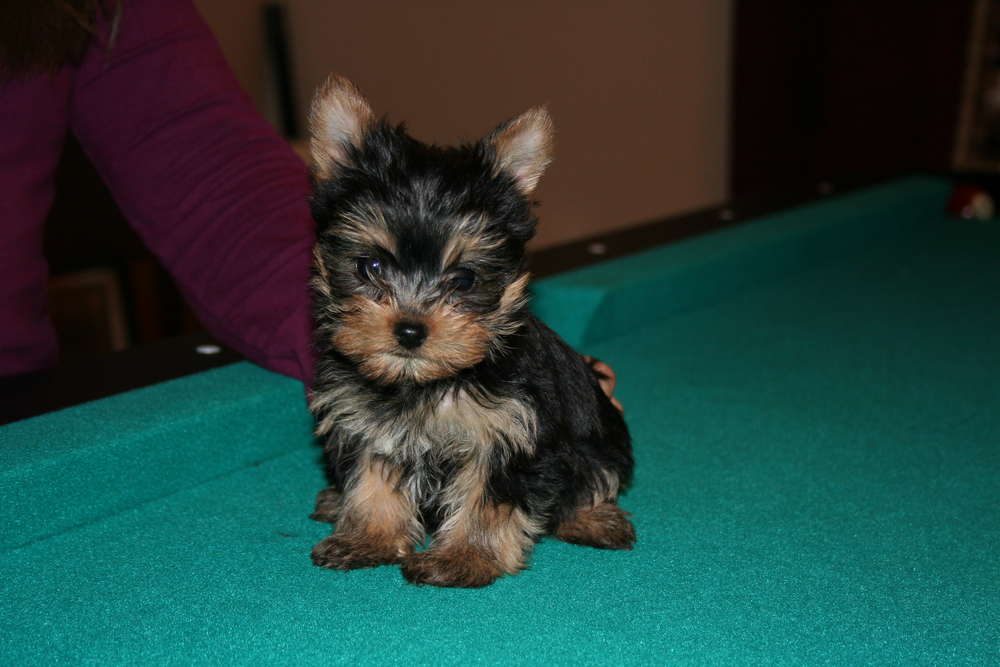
x=214 y=192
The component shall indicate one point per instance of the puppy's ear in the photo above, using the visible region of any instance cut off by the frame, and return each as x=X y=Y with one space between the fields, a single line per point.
x=522 y=147
x=338 y=119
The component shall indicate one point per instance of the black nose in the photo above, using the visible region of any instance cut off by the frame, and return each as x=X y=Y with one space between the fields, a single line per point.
x=410 y=334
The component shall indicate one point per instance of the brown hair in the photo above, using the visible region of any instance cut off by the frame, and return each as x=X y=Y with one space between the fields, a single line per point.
x=45 y=35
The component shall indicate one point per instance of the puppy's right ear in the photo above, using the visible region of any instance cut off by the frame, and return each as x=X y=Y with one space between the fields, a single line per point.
x=522 y=147
x=338 y=119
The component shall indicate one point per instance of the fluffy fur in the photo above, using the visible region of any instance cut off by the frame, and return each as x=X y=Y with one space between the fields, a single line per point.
x=445 y=408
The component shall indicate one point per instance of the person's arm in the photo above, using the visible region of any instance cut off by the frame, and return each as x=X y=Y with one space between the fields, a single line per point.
x=212 y=189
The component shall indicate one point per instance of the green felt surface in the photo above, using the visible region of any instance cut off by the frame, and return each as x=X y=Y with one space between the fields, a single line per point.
x=818 y=481
x=85 y=463
x=614 y=298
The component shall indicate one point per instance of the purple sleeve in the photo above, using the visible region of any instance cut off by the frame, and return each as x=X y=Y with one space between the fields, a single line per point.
x=212 y=189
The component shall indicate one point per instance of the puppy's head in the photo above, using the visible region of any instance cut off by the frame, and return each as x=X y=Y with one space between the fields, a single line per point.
x=418 y=270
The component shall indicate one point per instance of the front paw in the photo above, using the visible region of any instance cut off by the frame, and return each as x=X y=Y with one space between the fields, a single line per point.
x=465 y=568
x=342 y=552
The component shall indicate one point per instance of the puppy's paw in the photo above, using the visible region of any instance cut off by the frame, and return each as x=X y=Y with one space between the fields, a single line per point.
x=605 y=526
x=340 y=552
x=464 y=568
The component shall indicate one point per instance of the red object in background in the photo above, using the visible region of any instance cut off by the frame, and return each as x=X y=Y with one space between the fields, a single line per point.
x=971 y=201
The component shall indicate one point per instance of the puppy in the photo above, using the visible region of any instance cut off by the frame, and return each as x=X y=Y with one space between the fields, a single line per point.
x=445 y=408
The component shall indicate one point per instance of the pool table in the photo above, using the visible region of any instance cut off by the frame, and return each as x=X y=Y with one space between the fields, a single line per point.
x=814 y=397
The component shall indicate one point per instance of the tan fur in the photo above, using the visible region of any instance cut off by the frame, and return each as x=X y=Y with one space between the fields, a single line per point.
x=376 y=504
x=321 y=281
x=468 y=241
x=366 y=226
x=514 y=297
x=455 y=340
x=377 y=521
x=463 y=499
x=478 y=542
x=605 y=526
x=502 y=531
x=515 y=294
x=338 y=118
x=365 y=333
x=508 y=533
x=524 y=147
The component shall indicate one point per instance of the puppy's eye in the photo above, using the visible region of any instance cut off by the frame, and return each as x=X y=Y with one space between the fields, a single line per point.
x=369 y=268
x=462 y=280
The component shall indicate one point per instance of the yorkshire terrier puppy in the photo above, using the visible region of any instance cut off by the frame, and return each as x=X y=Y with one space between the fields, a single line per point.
x=446 y=409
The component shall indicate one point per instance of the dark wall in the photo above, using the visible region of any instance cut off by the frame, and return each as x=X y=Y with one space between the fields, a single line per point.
x=844 y=90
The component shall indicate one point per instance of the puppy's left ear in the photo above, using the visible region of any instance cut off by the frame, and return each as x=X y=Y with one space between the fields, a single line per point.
x=522 y=147
x=339 y=118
